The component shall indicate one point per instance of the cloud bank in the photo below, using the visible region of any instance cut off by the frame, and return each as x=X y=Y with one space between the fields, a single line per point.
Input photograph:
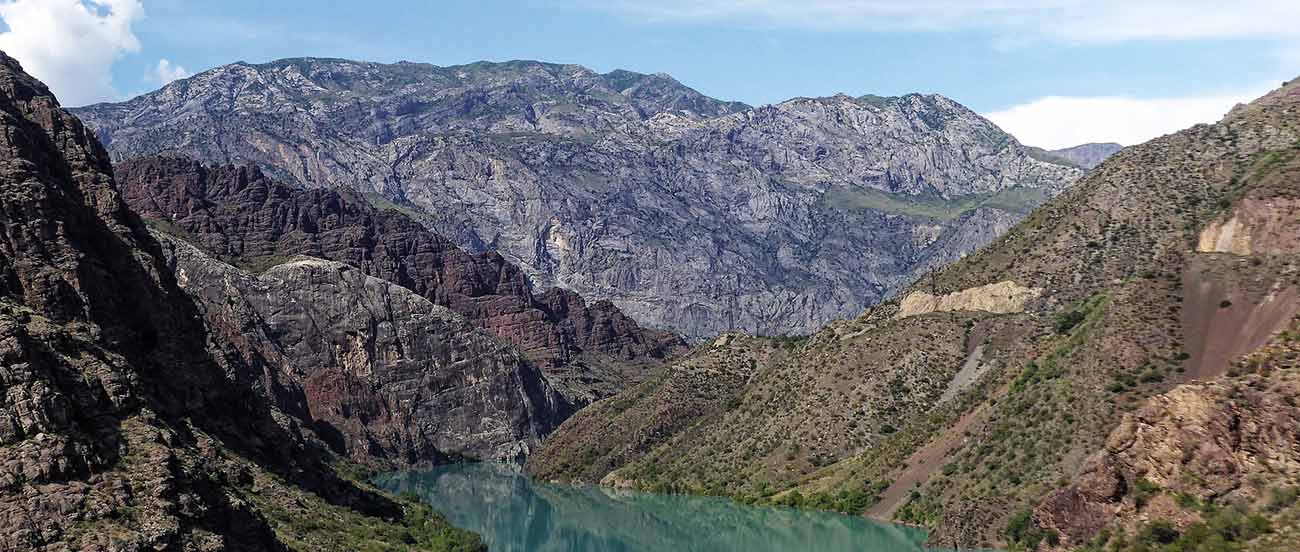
x=1079 y=21
x=1057 y=122
x=71 y=45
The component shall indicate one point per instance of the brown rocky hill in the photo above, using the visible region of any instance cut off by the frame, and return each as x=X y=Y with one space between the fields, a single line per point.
x=118 y=429
x=689 y=213
x=237 y=214
x=980 y=401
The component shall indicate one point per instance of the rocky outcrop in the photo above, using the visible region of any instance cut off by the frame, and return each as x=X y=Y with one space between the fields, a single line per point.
x=686 y=212
x=240 y=215
x=379 y=372
x=118 y=431
x=1197 y=444
x=999 y=298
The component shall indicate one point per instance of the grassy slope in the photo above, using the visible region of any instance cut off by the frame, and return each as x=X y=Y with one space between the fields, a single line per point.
x=305 y=522
x=1015 y=200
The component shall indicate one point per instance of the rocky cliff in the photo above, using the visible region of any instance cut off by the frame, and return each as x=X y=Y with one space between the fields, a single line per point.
x=118 y=430
x=689 y=213
x=240 y=215
x=1107 y=374
x=379 y=372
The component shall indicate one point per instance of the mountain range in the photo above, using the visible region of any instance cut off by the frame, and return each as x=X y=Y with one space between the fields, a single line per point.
x=690 y=214
x=301 y=271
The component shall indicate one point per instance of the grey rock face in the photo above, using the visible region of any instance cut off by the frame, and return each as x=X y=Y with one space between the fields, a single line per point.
x=688 y=213
x=380 y=372
x=1089 y=155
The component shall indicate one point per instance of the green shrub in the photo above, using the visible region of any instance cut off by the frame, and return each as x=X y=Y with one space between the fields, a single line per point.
x=1143 y=491
x=1158 y=532
x=1066 y=321
x=1282 y=497
x=1022 y=531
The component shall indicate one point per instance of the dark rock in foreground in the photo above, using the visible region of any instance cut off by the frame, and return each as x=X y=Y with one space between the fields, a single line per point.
x=118 y=430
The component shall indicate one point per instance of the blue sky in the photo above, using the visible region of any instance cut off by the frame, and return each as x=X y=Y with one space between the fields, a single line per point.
x=1053 y=72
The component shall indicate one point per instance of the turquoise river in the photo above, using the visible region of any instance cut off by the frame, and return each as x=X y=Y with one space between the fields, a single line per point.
x=515 y=513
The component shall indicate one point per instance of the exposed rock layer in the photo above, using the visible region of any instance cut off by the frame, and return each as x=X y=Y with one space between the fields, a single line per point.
x=1254 y=224
x=999 y=298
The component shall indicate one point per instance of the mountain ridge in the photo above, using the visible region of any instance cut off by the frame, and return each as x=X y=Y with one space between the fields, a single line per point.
x=683 y=210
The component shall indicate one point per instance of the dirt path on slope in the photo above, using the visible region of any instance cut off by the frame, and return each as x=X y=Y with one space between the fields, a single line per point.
x=921 y=465
x=971 y=369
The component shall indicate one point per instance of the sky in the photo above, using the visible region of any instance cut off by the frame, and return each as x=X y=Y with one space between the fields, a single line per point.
x=1054 y=73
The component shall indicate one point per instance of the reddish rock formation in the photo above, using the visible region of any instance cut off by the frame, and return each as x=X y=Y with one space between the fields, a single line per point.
x=381 y=373
x=240 y=215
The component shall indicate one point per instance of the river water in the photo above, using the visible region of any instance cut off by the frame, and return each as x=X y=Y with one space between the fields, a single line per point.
x=515 y=513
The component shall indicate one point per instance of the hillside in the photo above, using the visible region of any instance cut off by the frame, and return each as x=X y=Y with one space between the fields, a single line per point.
x=119 y=428
x=986 y=400
x=688 y=213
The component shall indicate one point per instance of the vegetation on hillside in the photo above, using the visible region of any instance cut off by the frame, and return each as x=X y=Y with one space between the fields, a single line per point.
x=852 y=418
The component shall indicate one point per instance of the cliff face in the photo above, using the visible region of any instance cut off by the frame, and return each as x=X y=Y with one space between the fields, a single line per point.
x=1131 y=342
x=241 y=216
x=117 y=429
x=688 y=213
x=377 y=371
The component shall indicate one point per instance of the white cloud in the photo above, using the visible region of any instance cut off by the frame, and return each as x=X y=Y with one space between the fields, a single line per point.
x=1067 y=20
x=1057 y=122
x=166 y=72
x=71 y=44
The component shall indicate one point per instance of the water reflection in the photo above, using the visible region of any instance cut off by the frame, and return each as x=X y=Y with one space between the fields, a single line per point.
x=514 y=513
